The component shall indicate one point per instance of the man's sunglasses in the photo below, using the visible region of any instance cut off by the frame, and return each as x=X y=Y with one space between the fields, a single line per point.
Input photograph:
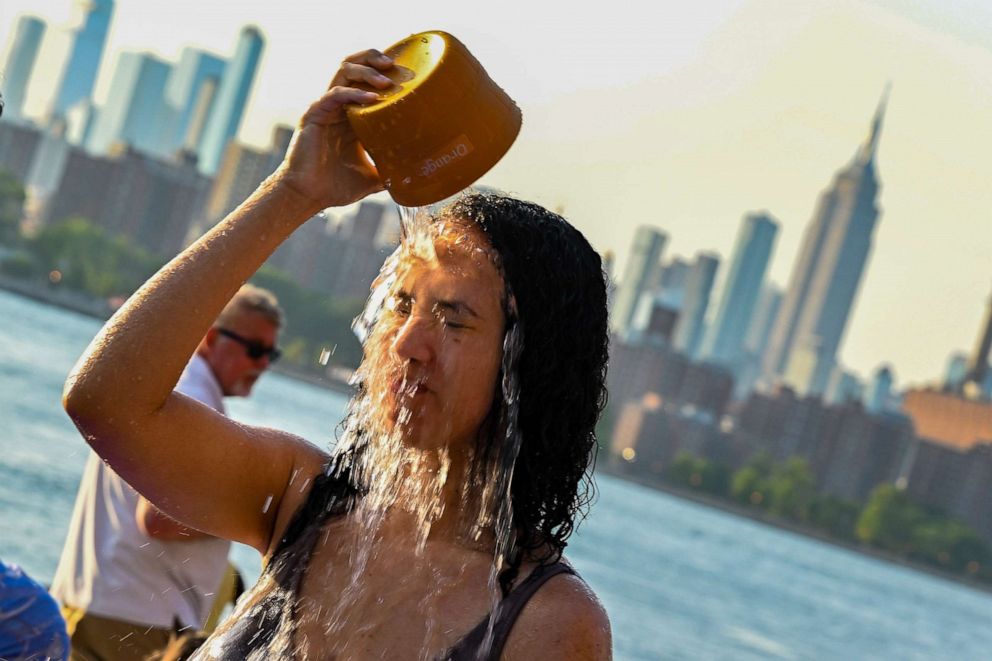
x=254 y=349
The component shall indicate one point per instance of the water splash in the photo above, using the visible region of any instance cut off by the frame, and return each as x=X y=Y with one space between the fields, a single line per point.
x=485 y=493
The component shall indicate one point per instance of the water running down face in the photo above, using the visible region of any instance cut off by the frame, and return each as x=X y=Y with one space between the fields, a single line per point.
x=433 y=360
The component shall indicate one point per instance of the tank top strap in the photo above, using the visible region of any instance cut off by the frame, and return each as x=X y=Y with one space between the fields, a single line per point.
x=509 y=609
x=328 y=494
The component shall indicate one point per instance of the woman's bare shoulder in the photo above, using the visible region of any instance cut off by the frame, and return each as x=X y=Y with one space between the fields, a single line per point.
x=563 y=620
x=308 y=462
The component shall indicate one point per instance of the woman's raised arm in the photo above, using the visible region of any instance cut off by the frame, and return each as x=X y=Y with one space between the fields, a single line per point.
x=205 y=470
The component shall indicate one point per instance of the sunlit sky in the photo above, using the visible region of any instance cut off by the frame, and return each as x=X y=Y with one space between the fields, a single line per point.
x=680 y=115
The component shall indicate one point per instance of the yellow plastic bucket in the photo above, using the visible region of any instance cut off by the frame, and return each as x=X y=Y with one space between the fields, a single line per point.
x=443 y=124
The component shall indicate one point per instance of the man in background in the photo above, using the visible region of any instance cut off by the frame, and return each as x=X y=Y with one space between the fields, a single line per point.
x=129 y=575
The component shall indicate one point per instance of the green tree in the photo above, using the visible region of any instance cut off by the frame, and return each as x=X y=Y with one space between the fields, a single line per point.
x=681 y=469
x=700 y=473
x=20 y=265
x=889 y=519
x=296 y=351
x=322 y=322
x=791 y=489
x=91 y=261
x=12 y=198
x=714 y=478
x=750 y=483
x=949 y=543
x=834 y=516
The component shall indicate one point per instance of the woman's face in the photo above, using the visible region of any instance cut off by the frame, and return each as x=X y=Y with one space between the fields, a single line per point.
x=436 y=351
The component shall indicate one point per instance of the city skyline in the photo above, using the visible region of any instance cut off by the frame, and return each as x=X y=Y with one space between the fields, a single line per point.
x=735 y=107
x=828 y=272
x=742 y=281
x=22 y=52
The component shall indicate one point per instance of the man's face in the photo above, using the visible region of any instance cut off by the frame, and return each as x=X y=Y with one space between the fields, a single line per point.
x=234 y=369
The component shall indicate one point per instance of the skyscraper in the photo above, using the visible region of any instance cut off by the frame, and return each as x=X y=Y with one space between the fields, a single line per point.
x=19 y=62
x=765 y=313
x=131 y=195
x=639 y=275
x=724 y=343
x=135 y=104
x=229 y=104
x=192 y=84
x=240 y=173
x=79 y=74
x=843 y=386
x=827 y=273
x=978 y=361
x=956 y=371
x=671 y=282
x=698 y=285
x=879 y=393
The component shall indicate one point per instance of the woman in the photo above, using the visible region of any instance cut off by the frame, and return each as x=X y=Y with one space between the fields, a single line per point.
x=436 y=528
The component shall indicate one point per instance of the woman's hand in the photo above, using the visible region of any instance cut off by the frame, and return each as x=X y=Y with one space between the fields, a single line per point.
x=325 y=162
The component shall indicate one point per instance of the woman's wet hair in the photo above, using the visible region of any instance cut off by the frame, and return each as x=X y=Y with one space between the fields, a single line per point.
x=558 y=290
x=553 y=386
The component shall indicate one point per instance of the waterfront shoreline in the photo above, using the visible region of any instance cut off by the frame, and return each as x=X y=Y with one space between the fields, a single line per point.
x=42 y=292
x=763 y=517
x=101 y=310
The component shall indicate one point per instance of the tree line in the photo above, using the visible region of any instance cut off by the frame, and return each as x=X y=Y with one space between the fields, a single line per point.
x=889 y=520
x=78 y=255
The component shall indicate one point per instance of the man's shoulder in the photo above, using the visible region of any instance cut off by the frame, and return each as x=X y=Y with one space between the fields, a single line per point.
x=198 y=381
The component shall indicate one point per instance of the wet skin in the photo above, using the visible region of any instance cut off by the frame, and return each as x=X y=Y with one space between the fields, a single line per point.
x=435 y=359
x=436 y=353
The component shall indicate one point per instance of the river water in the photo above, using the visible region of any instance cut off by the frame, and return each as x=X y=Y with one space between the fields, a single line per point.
x=679 y=580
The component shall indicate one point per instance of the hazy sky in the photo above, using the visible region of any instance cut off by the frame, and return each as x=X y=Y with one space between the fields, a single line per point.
x=684 y=118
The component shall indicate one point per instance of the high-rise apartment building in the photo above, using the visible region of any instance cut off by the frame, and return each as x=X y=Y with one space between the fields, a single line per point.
x=748 y=373
x=879 y=395
x=18 y=146
x=765 y=314
x=232 y=95
x=671 y=282
x=242 y=170
x=843 y=387
x=956 y=371
x=698 y=285
x=189 y=94
x=827 y=274
x=342 y=259
x=20 y=59
x=639 y=276
x=724 y=342
x=978 y=361
x=85 y=54
x=134 y=110
x=129 y=194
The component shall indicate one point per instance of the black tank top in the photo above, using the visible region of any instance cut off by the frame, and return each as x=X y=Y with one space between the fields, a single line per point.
x=262 y=625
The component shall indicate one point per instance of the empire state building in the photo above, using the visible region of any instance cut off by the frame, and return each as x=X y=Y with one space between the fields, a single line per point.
x=802 y=348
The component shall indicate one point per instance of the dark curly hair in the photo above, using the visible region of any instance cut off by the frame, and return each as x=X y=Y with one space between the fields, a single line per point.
x=559 y=290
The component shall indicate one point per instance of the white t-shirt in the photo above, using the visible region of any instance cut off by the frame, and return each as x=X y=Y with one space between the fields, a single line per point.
x=111 y=569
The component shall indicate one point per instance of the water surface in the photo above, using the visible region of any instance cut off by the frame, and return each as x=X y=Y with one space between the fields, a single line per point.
x=680 y=581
